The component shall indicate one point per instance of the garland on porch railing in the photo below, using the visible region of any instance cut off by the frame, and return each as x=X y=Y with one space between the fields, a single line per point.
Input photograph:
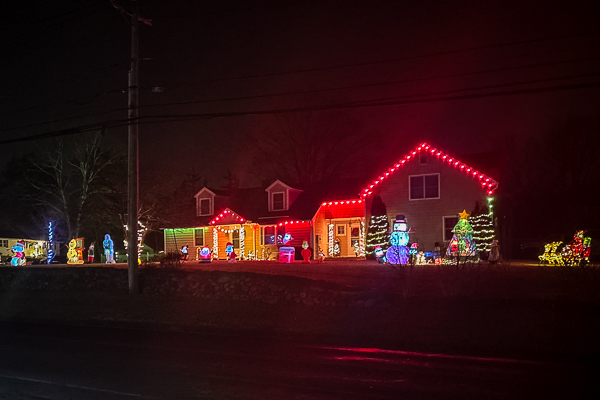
x=215 y=243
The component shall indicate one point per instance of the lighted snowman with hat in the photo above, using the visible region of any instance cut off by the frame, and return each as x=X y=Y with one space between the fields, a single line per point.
x=398 y=251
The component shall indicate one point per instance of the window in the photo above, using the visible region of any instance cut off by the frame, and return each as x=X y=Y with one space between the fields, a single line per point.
x=204 y=207
x=3 y=242
x=354 y=236
x=341 y=230
x=199 y=237
x=425 y=187
x=268 y=236
x=235 y=239
x=449 y=223
x=280 y=234
x=278 y=201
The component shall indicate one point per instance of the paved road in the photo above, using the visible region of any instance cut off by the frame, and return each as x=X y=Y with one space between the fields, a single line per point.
x=70 y=362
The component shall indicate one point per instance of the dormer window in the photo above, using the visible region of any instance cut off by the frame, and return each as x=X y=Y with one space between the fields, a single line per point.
x=204 y=207
x=278 y=201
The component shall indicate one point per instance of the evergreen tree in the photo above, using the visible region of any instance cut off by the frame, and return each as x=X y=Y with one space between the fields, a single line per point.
x=377 y=234
x=483 y=228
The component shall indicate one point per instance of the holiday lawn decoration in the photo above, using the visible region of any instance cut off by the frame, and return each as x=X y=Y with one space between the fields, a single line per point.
x=205 y=255
x=577 y=250
x=73 y=253
x=483 y=230
x=379 y=254
x=18 y=254
x=109 y=252
x=306 y=253
x=462 y=243
x=377 y=233
x=50 y=253
x=230 y=252
x=397 y=253
x=552 y=254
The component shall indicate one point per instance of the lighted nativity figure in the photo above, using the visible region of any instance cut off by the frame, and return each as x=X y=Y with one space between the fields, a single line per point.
x=398 y=252
x=108 y=249
x=462 y=243
x=73 y=254
x=18 y=257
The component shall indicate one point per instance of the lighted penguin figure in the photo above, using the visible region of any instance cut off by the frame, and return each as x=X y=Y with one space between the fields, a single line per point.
x=398 y=252
x=72 y=255
x=19 y=254
x=205 y=255
x=108 y=249
x=306 y=253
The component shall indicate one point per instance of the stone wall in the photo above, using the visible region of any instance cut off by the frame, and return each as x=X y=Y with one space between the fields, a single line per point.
x=202 y=285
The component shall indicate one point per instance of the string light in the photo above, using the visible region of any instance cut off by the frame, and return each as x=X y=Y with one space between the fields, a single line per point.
x=330 y=240
x=215 y=243
x=227 y=213
x=489 y=184
x=242 y=242
x=361 y=240
x=50 y=254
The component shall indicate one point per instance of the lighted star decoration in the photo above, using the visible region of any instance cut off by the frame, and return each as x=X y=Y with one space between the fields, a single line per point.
x=464 y=215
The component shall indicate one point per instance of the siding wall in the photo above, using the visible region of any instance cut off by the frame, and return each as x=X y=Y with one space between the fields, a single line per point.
x=458 y=192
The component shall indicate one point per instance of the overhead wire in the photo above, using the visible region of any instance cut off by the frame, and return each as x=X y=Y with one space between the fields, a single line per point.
x=339 y=106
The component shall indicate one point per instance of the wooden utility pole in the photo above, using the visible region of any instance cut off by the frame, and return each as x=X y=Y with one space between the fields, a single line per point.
x=132 y=158
x=133 y=146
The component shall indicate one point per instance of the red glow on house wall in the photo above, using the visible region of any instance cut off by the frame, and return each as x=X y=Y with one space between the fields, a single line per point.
x=487 y=183
x=343 y=209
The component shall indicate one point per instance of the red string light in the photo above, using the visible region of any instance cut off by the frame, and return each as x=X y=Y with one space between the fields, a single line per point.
x=224 y=213
x=489 y=182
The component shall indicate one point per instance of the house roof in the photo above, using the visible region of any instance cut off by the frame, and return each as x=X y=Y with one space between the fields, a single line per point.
x=251 y=204
x=487 y=183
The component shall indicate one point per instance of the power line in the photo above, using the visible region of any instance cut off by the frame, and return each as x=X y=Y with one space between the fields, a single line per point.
x=436 y=54
x=367 y=104
x=479 y=72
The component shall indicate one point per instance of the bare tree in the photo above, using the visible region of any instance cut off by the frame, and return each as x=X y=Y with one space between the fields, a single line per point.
x=65 y=179
x=309 y=147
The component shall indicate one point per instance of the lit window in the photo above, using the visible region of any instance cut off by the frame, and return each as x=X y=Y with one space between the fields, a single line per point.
x=425 y=187
x=199 y=237
x=278 y=201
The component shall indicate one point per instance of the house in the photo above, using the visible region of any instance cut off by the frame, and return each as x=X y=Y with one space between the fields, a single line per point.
x=430 y=188
x=328 y=216
x=427 y=186
x=33 y=248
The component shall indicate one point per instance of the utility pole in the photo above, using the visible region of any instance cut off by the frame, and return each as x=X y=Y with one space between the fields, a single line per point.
x=133 y=147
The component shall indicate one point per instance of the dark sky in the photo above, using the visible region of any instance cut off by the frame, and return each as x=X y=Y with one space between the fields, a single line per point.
x=65 y=65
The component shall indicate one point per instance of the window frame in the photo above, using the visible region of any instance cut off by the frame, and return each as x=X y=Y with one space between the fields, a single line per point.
x=283 y=205
x=444 y=227
x=424 y=187
x=210 y=211
x=262 y=235
x=196 y=237
x=337 y=229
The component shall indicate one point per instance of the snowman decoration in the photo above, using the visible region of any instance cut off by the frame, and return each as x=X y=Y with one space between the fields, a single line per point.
x=398 y=251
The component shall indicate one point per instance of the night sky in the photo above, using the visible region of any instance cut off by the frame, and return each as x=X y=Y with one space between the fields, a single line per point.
x=468 y=76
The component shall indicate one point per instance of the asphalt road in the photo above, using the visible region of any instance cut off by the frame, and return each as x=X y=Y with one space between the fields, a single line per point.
x=74 y=362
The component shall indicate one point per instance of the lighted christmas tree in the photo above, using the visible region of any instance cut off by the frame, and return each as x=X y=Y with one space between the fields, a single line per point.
x=483 y=228
x=377 y=234
x=462 y=241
